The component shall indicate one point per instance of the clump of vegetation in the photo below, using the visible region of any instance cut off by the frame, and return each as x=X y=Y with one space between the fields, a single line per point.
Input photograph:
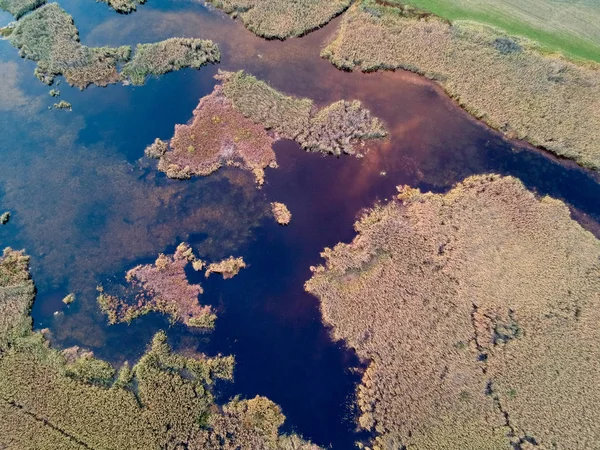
x=428 y=271
x=71 y=400
x=274 y=19
x=4 y=217
x=334 y=129
x=161 y=287
x=239 y=121
x=169 y=55
x=504 y=80
x=63 y=105
x=123 y=6
x=48 y=36
x=218 y=135
x=69 y=299
x=54 y=93
x=19 y=8
x=282 y=214
x=229 y=267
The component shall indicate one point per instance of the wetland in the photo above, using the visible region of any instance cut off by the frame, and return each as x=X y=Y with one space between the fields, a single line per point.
x=90 y=209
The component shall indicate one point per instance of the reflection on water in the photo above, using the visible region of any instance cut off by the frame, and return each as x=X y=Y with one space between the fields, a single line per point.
x=87 y=210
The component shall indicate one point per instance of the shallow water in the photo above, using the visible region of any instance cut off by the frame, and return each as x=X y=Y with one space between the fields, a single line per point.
x=87 y=210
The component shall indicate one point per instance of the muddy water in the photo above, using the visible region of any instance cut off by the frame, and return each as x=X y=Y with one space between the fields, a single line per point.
x=87 y=210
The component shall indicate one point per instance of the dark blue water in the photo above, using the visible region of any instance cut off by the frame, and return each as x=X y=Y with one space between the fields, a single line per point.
x=87 y=208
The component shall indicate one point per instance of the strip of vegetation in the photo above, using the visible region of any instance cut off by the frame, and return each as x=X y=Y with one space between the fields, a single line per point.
x=229 y=267
x=503 y=80
x=49 y=37
x=276 y=19
x=467 y=347
x=71 y=400
x=169 y=55
x=334 y=129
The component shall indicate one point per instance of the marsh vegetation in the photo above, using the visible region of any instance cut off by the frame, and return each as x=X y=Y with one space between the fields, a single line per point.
x=239 y=121
x=441 y=293
x=49 y=37
x=70 y=400
x=274 y=19
x=503 y=80
x=161 y=287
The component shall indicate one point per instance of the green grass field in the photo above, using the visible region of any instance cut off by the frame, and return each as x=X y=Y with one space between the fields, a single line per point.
x=569 y=26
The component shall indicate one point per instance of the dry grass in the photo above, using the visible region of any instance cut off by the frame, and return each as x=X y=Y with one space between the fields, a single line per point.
x=282 y=214
x=124 y=6
x=229 y=267
x=19 y=8
x=161 y=287
x=334 y=129
x=478 y=311
x=502 y=80
x=169 y=55
x=281 y=19
x=70 y=400
x=218 y=135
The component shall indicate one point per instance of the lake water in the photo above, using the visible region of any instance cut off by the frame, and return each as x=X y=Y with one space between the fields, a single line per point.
x=87 y=206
